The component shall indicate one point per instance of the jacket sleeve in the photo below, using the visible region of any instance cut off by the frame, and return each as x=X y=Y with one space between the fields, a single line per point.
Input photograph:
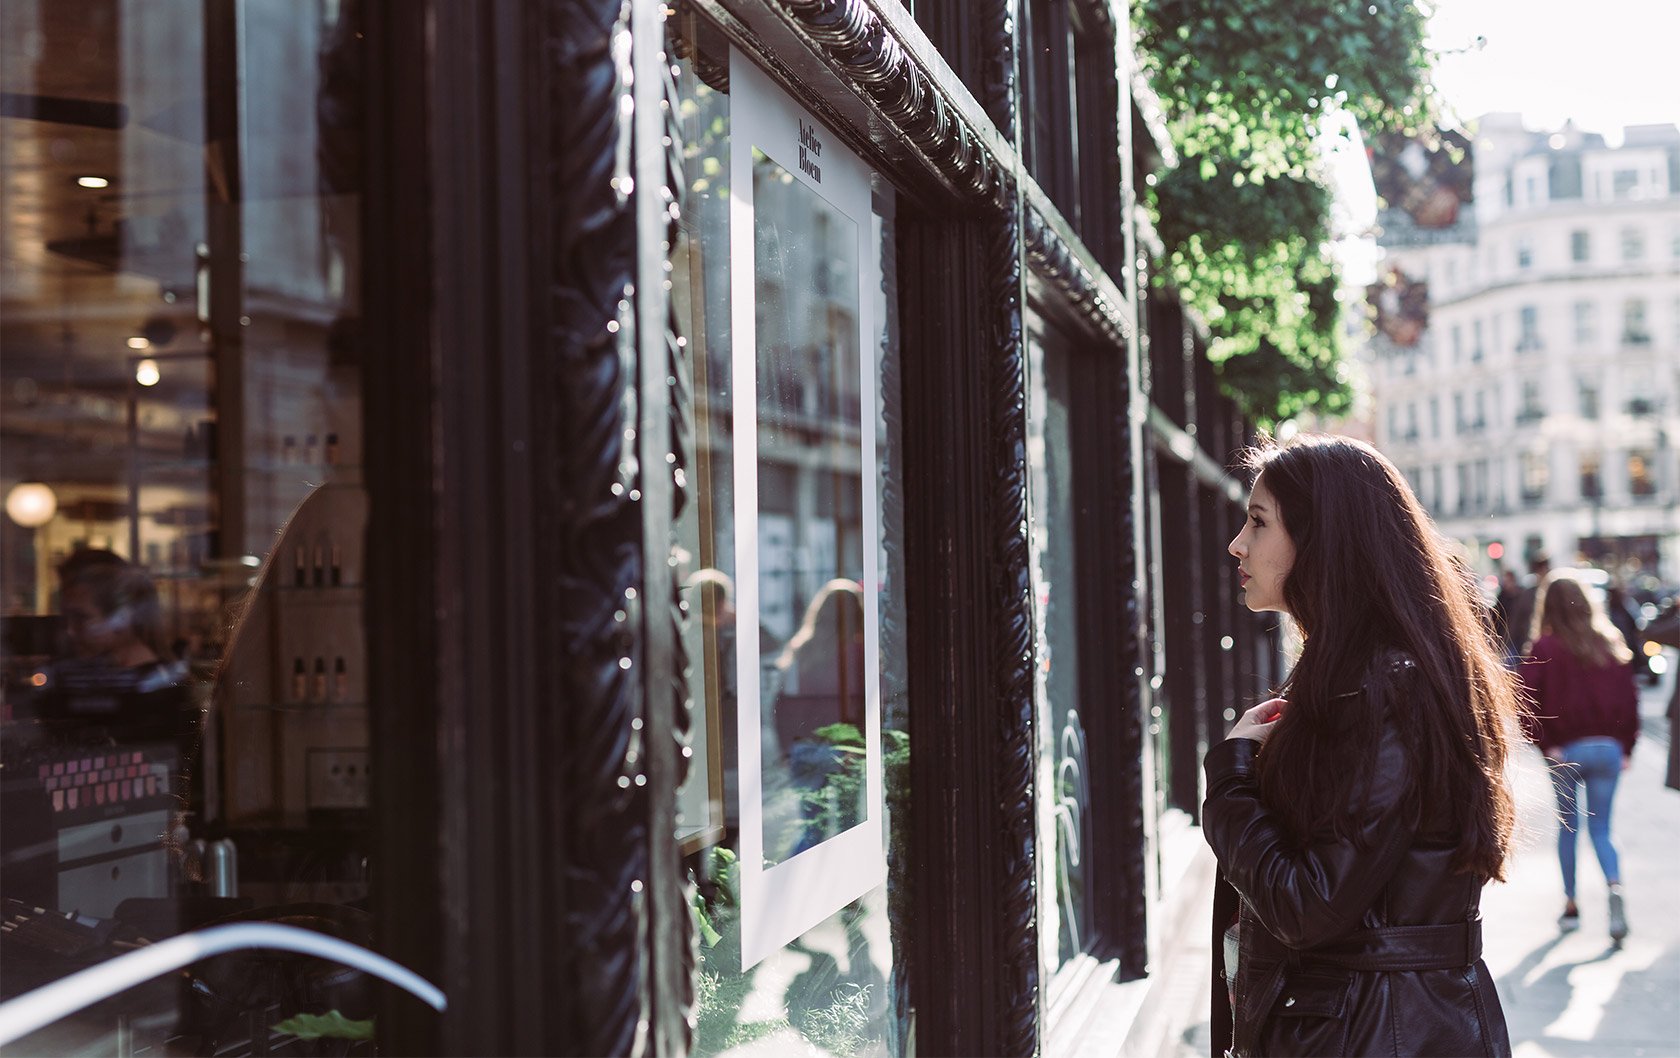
x=1304 y=896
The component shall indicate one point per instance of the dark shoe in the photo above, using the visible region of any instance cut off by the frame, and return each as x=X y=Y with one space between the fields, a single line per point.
x=1618 y=915
x=1570 y=920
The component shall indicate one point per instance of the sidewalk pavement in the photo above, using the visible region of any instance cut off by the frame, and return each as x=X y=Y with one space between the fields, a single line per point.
x=1565 y=996
x=1575 y=995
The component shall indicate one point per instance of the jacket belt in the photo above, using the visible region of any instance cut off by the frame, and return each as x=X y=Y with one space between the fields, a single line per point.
x=1443 y=946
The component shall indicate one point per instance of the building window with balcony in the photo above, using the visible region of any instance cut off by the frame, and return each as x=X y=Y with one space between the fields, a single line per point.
x=1458 y=412
x=1525 y=248
x=1435 y=418
x=1624 y=184
x=1535 y=473
x=1592 y=482
x=1586 y=322
x=1476 y=341
x=1457 y=343
x=1580 y=246
x=1528 y=319
x=1633 y=244
x=1635 y=328
x=1435 y=487
x=1531 y=410
x=1588 y=393
x=1463 y=488
x=1480 y=421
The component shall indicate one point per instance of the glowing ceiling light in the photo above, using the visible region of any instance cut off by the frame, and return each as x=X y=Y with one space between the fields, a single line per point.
x=92 y=182
x=146 y=372
x=137 y=342
x=31 y=504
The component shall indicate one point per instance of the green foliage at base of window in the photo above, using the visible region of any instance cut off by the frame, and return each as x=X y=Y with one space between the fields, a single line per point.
x=1246 y=85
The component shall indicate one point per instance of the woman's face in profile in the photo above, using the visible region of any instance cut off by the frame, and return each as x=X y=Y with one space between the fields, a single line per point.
x=1264 y=552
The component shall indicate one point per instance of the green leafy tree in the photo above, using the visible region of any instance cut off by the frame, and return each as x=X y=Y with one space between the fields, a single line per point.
x=1248 y=86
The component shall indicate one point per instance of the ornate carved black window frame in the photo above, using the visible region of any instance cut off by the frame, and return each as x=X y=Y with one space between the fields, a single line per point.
x=973 y=232
x=518 y=363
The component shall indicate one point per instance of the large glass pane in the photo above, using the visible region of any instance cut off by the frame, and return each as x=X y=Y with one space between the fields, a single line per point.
x=1065 y=811
x=789 y=780
x=185 y=711
x=810 y=533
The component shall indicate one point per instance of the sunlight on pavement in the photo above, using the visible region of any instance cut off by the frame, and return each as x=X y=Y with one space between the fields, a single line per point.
x=1591 y=987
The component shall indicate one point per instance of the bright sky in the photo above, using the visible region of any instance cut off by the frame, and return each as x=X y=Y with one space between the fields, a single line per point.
x=1602 y=63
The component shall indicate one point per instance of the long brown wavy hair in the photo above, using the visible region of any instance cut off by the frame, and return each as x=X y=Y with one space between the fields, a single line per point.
x=1376 y=593
x=1569 y=615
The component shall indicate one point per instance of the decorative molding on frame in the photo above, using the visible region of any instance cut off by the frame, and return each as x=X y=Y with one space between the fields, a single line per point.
x=597 y=550
x=1058 y=258
x=670 y=700
x=1013 y=647
x=868 y=49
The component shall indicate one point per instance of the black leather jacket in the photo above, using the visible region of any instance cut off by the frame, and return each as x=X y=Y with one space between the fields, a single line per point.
x=1345 y=950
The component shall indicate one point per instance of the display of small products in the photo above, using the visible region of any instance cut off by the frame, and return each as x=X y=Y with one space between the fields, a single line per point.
x=320 y=565
x=315 y=450
x=310 y=683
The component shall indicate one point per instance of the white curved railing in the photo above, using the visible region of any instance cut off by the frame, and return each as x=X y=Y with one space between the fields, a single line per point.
x=45 y=1005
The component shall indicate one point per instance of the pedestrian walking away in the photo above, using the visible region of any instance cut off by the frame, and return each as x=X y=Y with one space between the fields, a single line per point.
x=1581 y=707
x=1357 y=816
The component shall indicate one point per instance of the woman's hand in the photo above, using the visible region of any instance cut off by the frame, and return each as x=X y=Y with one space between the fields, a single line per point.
x=1259 y=721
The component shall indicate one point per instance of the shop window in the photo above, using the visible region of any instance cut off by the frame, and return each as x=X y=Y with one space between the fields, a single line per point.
x=186 y=709
x=793 y=586
x=1064 y=750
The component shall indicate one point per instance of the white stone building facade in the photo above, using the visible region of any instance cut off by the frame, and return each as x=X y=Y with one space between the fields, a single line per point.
x=1540 y=408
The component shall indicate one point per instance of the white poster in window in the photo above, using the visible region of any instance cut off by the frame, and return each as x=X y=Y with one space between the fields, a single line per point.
x=802 y=261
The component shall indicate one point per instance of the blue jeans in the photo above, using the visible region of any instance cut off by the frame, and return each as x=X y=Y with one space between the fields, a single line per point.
x=1597 y=763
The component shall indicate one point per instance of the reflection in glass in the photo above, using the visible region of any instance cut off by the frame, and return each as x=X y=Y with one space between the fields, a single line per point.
x=184 y=723
x=810 y=489
x=1050 y=453
x=839 y=988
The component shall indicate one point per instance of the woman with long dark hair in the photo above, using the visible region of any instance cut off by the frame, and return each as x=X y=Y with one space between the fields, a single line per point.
x=1583 y=712
x=1357 y=815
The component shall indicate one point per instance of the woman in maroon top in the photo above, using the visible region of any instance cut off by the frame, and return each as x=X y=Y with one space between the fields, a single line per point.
x=1584 y=715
